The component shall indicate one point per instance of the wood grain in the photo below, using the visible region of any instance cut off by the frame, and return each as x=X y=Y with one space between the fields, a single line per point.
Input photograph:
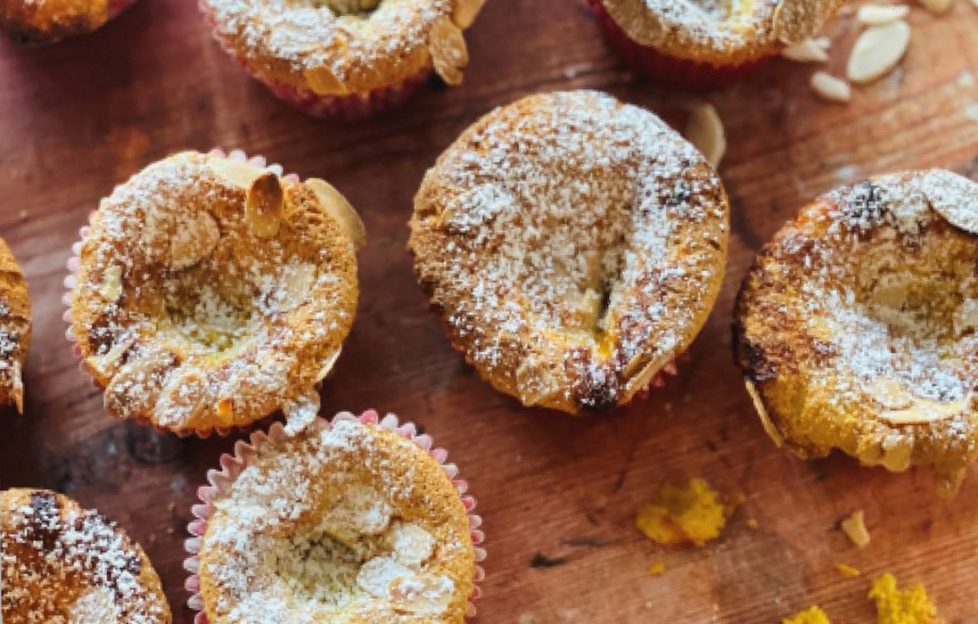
x=558 y=495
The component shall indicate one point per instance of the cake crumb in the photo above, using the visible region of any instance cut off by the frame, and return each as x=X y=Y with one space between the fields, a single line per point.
x=855 y=528
x=811 y=615
x=657 y=569
x=847 y=571
x=692 y=514
x=896 y=606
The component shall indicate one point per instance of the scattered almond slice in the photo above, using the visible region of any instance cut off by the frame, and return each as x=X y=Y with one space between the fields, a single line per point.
x=449 y=53
x=830 y=88
x=937 y=7
x=705 y=131
x=466 y=11
x=879 y=14
x=925 y=411
x=847 y=570
x=807 y=51
x=855 y=529
x=265 y=204
x=657 y=569
x=877 y=51
x=340 y=209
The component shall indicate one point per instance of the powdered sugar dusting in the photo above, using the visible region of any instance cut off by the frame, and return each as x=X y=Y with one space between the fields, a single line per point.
x=224 y=329
x=62 y=564
x=329 y=523
x=570 y=214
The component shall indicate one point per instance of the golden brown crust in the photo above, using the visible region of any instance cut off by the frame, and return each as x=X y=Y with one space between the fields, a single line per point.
x=64 y=564
x=329 y=525
x=15 y=329
x=47 y=21
x=331 y=48
x=720 y=33
x=855 y=328
x=212 y=293
x=574 y=245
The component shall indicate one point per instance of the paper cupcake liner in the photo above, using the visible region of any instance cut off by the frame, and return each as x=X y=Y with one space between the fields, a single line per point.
x=74 y=265
x=219 y=481
x=662 y=68
x=330 y=107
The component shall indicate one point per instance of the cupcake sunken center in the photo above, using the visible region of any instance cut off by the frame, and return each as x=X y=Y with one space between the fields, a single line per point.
x=346 y=7
x=901 y=313
x=284 y=548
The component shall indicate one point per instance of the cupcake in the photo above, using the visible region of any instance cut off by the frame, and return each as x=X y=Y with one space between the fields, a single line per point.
x=855 y=328
x=345 y=58
x=574 y=246
x=15 y=329
x=64 y=564
x=357 y=520
x=705 y=43
x=210 y=292
x=48 y=21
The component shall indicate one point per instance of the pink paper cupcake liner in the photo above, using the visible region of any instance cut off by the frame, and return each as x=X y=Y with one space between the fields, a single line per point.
x=74 y=265
x=219 y=481
x=330 y=107
x=666 y=69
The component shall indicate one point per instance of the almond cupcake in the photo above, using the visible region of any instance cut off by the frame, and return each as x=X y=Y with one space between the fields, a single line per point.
x=345 y=58
x=574 y=246
x=15 y=329
x=211 y=291
x=856 y=327
x=358 y=520
x=706 y=43
x=48 y=21
x=64 y=564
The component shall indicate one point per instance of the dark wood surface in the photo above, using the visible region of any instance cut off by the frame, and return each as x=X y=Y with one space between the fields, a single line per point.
x=559 y=495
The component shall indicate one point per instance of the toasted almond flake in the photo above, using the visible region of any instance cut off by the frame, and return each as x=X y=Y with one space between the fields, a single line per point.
x=925 y=411
x=263 y=209
x=340 y=209
x=323 y=81
x=877 y=51
x=855 y=529
x=830 y=88
x=797 y=20
x=807 y=51
x=466 y=11
x=705 y=131
x=879 y=14
x=954 y=197
x=195 y=237
x=762 y=413
x=449 y=54
x=235 y=172
x=847 y=571
x=937 y=7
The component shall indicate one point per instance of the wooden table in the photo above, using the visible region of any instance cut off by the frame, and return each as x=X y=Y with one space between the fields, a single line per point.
x=559 y=495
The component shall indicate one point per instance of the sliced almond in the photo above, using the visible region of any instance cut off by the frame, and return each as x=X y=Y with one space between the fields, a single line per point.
x=797 y=20
x=925 y=411
x=877 y=51
x=766 y=421
x=235 y=172
x=954 y=197
x=879 y=14
x=855 y=529
x=449 y=55
x=194 y=238
x=264 y=206
x=807 y=51
x=111 y=290
x=897 y=452
x=830 y=88
x=644 y=376
x=105 y=366
x=17 y=386
x=534 y=383
x=937 y=7
x=466 y=11
x=340 y=209
x=890 y=394
x=705 y=131
x=323 y=81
